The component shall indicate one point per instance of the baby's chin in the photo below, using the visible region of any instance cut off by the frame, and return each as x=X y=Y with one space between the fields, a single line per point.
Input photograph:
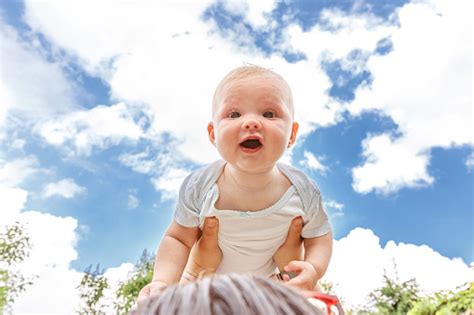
x=254 y=167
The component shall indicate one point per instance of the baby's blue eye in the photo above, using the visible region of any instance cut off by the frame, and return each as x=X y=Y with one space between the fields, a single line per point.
x=269 y=114
x=233 y=115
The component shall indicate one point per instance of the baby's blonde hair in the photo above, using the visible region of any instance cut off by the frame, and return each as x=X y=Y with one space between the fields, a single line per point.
x=249 y=70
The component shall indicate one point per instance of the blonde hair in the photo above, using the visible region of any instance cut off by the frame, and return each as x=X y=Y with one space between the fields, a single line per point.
x=249 y=70
x=228 y=294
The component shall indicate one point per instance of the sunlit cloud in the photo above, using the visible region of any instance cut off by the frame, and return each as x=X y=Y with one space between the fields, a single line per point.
x=66 y=188
x=13 y=173
x=425 y=87
x=133 y=201
x=312 y=162
x=169 y=183
x=99 y=127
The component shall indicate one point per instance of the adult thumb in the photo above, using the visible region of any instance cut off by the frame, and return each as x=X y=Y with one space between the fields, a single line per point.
x=210 y=230
x=294 y=232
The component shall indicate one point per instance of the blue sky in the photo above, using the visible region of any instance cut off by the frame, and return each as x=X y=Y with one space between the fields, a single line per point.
x=103 y=110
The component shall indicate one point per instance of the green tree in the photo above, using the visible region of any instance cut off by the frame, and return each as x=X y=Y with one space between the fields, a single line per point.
x=15 y=246
x=128 y=290
x=447 y=302
x=395 y=297
x=91 y=291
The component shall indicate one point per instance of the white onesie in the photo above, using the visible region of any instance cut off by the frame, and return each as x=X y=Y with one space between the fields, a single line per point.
x=249 y=239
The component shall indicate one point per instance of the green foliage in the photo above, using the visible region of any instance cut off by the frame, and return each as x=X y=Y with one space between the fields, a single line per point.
x=395 y=297
x=91 y=290
x=327 y=287
x=425 y=306
x=14 y=248
x=129 y=289
x=446 y=302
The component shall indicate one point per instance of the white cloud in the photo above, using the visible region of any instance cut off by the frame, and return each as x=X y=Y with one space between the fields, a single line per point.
x=341 y=34
x=31 y=88
x=390 y=165
x=148 y=23
x=115 y=276
x=359 y=262
x=18 y=144
x=334 y=208
x=13 y=200
x=287 y=157
x=99 y=127
x=53 y=239
x=53 y=248
x=254 y=11
x=470 y=162
x=139 y=162
x=14 y=172
x=151 y=163
x=425 y=86
x=169 y=183
x=334 y=204
x=53 y=292
x=133 y=201
x=66 y=188
x=313 y=162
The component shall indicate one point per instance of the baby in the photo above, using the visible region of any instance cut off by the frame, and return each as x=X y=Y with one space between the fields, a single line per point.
x=253 y=197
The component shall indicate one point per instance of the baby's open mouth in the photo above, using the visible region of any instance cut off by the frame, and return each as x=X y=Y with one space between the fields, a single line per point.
x=251 y=143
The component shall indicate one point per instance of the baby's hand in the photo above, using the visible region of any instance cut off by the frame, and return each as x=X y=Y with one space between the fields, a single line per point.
x=306 y=276
x=150 y=289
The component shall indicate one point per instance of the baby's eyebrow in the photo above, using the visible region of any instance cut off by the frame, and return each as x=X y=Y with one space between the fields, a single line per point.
x=230 y=99
x=273 y=102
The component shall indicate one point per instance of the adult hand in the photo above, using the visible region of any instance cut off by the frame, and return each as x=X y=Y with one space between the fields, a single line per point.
x=150 y=289
x=205 y=255
x=291 y=249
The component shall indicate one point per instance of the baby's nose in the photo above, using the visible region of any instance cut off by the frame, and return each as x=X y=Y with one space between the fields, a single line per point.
x=251 y=124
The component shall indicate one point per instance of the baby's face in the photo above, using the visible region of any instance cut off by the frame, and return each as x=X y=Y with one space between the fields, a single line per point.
x=253 y=122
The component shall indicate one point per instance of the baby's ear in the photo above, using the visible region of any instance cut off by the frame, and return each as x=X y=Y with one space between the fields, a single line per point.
x=294 y=132
x=210 y=132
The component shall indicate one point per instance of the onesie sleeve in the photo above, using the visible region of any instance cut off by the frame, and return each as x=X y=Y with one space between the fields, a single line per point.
x=316 y=220
x=187 y=209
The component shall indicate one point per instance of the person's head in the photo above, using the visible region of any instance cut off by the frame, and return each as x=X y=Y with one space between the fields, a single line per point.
x=252 y=118
x=228 y=294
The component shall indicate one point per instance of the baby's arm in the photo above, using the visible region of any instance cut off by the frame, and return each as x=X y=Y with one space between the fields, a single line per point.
x=318 y=251
x=171 y=257
x=173 y=253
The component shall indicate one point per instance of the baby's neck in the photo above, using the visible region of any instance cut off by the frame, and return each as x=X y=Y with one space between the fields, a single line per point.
x=252 y=182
